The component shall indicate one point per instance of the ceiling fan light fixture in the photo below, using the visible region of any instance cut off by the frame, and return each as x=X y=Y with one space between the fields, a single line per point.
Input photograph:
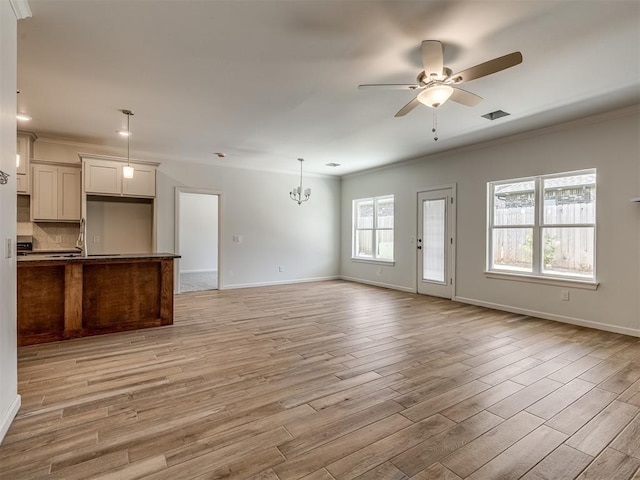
x=435 y=96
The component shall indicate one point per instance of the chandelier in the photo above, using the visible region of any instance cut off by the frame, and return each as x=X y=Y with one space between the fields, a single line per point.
x=297 y=194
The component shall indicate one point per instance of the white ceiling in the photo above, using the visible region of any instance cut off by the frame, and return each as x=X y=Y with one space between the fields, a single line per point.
x=269 y=81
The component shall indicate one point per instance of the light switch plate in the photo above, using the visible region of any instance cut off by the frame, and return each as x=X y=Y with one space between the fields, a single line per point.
x=8 y=248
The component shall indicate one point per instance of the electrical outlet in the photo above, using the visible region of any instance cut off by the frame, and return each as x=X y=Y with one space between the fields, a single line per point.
x=281 y=269
x=564 y=295
x=8 y=248
x=96 y=239
x=58 y=238
x=379 y=272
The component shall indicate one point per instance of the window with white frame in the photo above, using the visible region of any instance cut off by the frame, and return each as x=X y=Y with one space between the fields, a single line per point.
x=543 y=226
x=373 y=228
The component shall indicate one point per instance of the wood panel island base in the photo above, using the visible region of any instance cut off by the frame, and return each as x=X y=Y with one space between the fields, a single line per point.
x=61 y=297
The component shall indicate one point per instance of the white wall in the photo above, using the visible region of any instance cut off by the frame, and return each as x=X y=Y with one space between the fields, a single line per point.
x=198 y=226
x=119 y=225
x=9 y=398
x=610 y=143
x=276 y=232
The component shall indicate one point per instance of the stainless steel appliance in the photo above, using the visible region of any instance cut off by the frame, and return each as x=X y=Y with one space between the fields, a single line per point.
x=24 y=244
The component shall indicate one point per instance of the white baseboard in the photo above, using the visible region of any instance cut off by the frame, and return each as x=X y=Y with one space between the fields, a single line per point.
x=8 y=417
x=551 y=316
x=280 y=282
x=379 y=284
x=198 y=271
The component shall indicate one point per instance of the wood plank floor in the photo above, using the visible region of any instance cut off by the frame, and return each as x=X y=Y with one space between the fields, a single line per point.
x=330 y=380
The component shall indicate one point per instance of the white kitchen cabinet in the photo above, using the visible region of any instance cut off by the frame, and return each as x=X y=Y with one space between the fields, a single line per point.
x=22 y=182
x=24 y=142
x=143 y=183
x=56 y=193
x=69 y=187
x=104 y=177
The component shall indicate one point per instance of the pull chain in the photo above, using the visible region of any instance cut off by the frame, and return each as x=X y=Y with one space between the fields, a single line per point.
x=435 y=124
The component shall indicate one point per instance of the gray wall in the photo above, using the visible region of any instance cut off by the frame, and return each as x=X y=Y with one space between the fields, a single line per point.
x=608 y=142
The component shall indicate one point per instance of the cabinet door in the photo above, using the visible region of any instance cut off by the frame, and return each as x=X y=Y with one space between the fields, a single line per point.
x=143 y=183
x=103 y=177
x=44 y=201
x=68 y=193
x=23 y=149
x=22 y=183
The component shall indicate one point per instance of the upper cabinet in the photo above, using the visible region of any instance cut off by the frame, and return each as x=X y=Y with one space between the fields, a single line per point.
x=143 y=183
x=24 y=149
x=104 y=177
x=56 y=193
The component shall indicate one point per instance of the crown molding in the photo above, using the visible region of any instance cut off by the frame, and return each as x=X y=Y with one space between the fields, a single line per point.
x=111 y=158
x=20 y=8
x=33 y=136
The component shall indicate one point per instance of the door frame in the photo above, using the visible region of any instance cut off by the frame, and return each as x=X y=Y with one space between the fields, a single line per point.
x=453 y=215
x=176 y=228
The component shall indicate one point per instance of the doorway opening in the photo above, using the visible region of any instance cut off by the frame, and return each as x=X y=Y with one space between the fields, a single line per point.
x=197 y=240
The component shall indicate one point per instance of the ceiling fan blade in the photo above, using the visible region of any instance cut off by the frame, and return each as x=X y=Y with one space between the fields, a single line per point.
x=408 y=107
x=432 y=58
x=465 y=98
x=487 y=68
x=390 y=86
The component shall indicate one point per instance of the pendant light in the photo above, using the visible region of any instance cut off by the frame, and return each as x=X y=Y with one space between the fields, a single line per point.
x=127 y=170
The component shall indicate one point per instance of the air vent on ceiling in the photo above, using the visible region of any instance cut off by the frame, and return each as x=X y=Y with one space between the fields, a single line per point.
x=332 y=164
x=495 y=115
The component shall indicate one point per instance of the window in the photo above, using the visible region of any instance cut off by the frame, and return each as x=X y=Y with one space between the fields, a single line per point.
x=373 y=228
x=544 y=226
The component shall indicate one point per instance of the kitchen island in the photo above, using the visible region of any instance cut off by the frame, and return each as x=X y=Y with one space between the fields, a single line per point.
x=69 y=295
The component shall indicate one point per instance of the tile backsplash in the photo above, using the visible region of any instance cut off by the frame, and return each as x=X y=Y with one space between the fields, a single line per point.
x=46 y=235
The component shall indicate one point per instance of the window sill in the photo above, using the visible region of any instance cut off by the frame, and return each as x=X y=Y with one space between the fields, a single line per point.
x=558 y=282
x=373 y=261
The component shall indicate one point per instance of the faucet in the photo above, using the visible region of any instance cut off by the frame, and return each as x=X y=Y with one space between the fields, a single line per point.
x=81 y=241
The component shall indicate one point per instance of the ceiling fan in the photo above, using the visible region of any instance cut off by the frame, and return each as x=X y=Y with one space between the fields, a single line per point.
x=438 y=84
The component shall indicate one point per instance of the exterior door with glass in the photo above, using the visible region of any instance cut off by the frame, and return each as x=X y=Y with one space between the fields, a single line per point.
x=436 y=242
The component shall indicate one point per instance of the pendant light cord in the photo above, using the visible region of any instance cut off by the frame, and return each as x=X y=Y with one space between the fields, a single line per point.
x=300 y=160
x=435 y=124
x=128 y=138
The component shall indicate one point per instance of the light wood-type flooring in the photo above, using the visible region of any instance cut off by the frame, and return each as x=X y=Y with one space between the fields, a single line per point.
x=330 y=380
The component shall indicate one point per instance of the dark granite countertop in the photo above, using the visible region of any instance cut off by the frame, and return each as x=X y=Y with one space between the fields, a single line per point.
x=106 y=257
